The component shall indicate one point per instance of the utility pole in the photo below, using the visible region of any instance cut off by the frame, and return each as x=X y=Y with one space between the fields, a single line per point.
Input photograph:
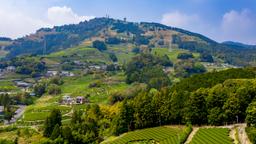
x=44 y=48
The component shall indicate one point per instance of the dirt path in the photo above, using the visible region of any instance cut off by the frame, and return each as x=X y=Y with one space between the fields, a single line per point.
x=234 y=129
x=243 y=138
x=191 y=135
x=233 y=133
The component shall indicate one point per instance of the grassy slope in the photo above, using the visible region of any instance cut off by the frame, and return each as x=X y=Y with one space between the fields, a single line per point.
x=79 y=86
x=172 y=54
x=76 y=86
x=81 y=53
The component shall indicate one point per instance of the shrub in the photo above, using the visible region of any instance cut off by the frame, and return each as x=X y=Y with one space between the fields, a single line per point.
x=53 y=89
x=100 y=45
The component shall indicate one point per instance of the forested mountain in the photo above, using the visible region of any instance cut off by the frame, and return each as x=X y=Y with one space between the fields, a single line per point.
x=147 y=35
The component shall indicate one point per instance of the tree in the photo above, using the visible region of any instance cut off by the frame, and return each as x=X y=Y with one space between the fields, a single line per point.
x=139 y=69
x=204 y=57
x=196 y=111
x=53 y=89
x=136 y=50
x=185 y=56
x=113 y=57
x=5 y=101
x=113 y=40
x=100 y=45
x=39 y=89
x=8 y=115
x=67 y=134
x=124 y=121
x=76 y=117
x=232 y=108
x=56 y=80
x=56 y=132
x=159 y=82
x=53 y=119
x=251 y=114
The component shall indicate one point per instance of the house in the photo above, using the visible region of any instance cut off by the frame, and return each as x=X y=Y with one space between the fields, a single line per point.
x=11 y=69
x=67 y=100
x=67 y=74
x=32 y=94
x=1 y=110
x=78 y=63
x=23 y=84
x=51 y=73
x=80 y=100
x=96 y=67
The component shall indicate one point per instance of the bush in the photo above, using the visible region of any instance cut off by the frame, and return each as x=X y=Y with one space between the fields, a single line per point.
x=53 y=89
x=184 y=135
x=136 y=50
x=185 y=56
x=95 y=84
x=251 y=132
x=39 y=89
x=113 y=57
x=113 y=40
x=100 y=45
x=206 y=58
x=251 y=114
x=116 y=97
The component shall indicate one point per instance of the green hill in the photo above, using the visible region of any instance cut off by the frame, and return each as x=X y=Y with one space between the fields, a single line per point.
x=142 y=35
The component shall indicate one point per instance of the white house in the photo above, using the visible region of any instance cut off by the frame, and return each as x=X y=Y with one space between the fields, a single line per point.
x=51 y=73
x=11 y=69
x=67 y=74
x=67 y=100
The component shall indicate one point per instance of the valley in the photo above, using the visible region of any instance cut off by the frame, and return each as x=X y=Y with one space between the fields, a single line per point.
x=112 y=81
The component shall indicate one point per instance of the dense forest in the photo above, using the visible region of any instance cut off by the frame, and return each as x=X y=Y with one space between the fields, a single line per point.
x=215 y=98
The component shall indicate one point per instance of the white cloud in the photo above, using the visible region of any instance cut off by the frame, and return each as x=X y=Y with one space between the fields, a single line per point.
x=178 y=19
x=64 y=15
x=233 y=25
x=239 y=26
x=16 y=23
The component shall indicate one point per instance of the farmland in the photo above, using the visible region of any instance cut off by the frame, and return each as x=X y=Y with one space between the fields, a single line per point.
x=162 y=135
x=106 y=85
x=212 y=136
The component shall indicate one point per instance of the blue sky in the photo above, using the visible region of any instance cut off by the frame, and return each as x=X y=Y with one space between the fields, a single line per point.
x=220 y=20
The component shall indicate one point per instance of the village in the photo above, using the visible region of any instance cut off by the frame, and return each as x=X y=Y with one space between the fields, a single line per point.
x=25 y=85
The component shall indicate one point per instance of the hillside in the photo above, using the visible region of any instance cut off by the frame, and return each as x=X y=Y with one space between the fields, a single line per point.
x=113 y=81
x=115 y=32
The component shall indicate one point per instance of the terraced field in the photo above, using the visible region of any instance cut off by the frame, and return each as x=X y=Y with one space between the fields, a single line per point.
x=81 y=53
x=212 y=136
x=162 y=135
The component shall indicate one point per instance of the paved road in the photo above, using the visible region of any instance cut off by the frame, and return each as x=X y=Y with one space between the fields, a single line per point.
x=18 y=113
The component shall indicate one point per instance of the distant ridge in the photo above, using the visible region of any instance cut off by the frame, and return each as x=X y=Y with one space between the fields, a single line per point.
x=146 y=34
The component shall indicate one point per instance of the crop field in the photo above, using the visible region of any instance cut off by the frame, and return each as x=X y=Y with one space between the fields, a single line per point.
x=80 y=53
x=79 y=86
x=123 y=54
x=162 y=135
x=7 y=85
x=23 y=135
x=2 y=52
x=35 y=113
x=212 y=136
x=172 y=54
